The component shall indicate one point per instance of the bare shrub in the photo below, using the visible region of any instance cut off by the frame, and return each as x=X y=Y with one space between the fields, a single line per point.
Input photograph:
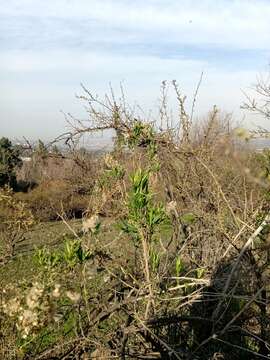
x=54 y=197
x=184 y=270
x=15 y=220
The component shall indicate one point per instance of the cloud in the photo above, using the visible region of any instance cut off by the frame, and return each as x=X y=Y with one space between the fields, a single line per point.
x=48 y=47
x=237 y=24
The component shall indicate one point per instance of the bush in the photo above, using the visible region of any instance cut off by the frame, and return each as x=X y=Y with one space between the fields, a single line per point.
x=53 y=197
x=15 y=220
x=183 y=270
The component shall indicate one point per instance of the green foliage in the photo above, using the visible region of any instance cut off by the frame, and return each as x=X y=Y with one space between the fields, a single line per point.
x=179 y=266
x=142 y=134
x=136 y=134
x=96 y=229
x=47 y=259
x=9 y=160
x=72 y=254
x=130 y=229
x=139 y=197
x=113 y=174
x=116 y=172
x=155 y=216
x=154 y=260
x=143 y=221
x=200 y=272
x=144 y=216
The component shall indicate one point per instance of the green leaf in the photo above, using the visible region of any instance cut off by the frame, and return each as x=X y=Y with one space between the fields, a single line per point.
x=179 y=266
x=200 y=272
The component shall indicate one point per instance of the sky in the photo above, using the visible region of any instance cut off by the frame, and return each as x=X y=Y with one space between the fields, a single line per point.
x=47 y=48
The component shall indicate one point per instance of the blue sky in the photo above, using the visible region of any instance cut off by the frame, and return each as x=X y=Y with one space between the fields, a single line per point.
x=47 y=48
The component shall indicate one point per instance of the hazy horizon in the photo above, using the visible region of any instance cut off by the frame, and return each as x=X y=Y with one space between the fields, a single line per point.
x=48 y=48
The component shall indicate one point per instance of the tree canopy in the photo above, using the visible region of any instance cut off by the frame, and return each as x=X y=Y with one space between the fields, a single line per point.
x=9 y=160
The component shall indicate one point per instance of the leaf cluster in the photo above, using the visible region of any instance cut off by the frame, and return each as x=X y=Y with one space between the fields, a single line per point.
x=72 y=254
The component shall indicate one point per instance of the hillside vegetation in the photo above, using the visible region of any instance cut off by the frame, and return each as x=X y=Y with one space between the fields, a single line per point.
x=158 y=249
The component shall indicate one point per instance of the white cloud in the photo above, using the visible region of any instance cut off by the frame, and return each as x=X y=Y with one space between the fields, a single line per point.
x=36 y=84
x=241 y=23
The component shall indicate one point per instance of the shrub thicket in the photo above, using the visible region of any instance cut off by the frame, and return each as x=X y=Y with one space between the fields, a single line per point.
x=181 y=268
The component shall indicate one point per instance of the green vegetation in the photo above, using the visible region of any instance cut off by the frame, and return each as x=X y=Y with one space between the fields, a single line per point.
x=9 y=160
x=168 y=257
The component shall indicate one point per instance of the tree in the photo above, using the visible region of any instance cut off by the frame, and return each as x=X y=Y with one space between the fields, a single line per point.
x=260 y=104
x=9 y=160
